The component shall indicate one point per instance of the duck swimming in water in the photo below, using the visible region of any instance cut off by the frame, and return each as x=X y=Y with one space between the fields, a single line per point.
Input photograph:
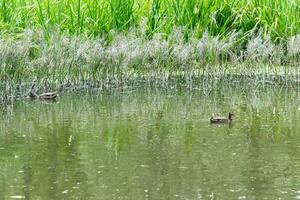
x=43 y=96
x=222 y=120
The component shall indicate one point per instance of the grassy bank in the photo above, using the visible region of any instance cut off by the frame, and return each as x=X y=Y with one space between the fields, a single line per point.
x=68 y=61
x=96 y=43
x=63 y=58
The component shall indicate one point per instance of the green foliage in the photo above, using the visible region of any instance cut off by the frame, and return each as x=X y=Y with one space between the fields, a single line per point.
x=280 y=18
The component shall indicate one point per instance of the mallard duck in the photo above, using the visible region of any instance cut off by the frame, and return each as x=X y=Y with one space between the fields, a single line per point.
x=222 y=120
x=44 y=96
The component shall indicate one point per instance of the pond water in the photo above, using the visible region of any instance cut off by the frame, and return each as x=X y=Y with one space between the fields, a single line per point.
x=149 y=143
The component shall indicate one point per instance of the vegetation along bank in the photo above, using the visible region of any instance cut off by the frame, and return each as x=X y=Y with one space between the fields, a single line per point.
x=58 y=44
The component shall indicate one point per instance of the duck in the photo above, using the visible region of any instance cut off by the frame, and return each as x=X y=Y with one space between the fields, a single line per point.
x=222 y=120
x=44 y=96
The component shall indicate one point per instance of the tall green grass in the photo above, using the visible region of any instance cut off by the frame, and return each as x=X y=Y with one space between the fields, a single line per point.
x=280 y=18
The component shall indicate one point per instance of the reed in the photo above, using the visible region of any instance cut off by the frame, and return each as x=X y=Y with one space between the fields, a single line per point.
x=61 y=61
x=279 y=18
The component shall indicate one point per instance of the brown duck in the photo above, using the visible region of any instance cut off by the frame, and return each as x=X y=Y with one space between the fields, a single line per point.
x=222 y=120
x=44 y=96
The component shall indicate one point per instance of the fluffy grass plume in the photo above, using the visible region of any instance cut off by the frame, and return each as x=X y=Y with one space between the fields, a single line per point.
x=65 y=57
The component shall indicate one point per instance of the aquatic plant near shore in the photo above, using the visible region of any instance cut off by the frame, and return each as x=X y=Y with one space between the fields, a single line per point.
x=67 y=57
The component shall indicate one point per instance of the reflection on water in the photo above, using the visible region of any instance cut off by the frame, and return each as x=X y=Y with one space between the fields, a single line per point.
x=153 y=144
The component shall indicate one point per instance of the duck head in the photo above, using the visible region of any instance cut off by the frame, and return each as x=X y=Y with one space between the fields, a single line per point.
x=32 y=95
x=230 y=116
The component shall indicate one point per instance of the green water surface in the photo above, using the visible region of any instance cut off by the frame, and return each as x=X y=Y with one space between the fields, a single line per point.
x=143 y=143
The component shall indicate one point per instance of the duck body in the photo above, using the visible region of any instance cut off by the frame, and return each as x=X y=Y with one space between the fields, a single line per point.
x=48 y=96
x=222 y=120
x=44 y=96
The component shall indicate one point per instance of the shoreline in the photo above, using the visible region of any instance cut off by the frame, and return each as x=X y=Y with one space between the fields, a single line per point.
x=198 y=79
